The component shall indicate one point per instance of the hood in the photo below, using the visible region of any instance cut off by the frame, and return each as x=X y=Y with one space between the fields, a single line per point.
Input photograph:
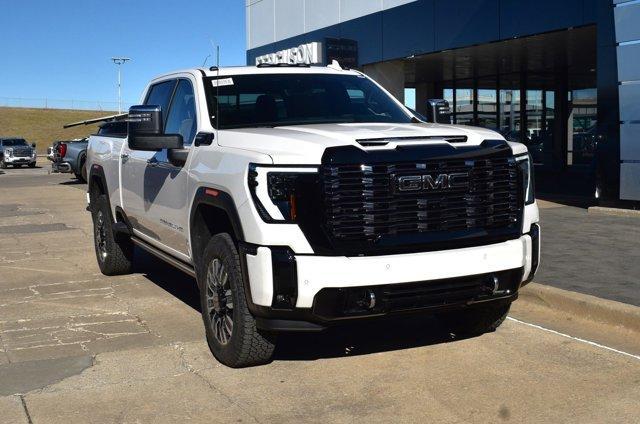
x=305 y=144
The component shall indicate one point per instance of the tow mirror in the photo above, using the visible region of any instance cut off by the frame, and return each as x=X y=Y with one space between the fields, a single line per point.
x=33 y=145
x=438 y=111
x=145 y=128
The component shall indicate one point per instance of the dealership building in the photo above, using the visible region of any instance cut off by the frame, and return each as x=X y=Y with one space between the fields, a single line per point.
x=562 y=77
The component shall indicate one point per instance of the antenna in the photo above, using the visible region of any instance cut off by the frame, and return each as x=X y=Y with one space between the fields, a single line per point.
x=217 y=86
x=205 y=60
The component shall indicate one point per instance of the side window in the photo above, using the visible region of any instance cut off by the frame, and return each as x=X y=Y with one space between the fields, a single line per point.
x=182 y=115
x=160 y=95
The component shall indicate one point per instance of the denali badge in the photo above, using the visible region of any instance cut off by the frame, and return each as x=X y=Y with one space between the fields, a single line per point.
x=429 y=182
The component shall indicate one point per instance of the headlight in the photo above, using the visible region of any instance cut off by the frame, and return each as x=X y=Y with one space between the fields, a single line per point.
x=8 y=152
x=280 y=192
x=525 y=164
x=33 y=153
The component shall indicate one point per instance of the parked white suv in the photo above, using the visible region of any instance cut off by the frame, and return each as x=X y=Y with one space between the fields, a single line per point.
x=301 y=197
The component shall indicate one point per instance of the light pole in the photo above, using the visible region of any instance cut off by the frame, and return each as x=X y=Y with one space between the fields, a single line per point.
x=119 y=61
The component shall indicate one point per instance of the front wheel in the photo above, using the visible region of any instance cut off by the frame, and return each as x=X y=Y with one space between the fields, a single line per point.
x=230 y=328
x=32 y=165
x=115 y=255
x=3 y=164
x=475 y=320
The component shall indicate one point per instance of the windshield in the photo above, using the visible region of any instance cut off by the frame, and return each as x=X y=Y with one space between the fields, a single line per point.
x=14 y=142
x=298 y=99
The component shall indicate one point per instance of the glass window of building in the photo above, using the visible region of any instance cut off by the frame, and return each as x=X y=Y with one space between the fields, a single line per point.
x=535 y=123
x=447 y=94
x=583 y=117
x=510 y=114
x=487 y=107
x=464 y=106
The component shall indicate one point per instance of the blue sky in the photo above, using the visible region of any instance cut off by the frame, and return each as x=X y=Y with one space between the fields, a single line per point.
x=61 y=49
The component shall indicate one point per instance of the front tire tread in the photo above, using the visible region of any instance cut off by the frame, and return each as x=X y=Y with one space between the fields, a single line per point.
x=248 y=346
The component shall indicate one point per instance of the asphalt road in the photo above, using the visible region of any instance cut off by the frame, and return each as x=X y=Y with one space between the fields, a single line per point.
x=76 y=346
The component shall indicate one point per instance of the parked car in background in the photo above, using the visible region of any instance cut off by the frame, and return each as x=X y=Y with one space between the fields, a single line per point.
x=70 y=157
x=16 y=151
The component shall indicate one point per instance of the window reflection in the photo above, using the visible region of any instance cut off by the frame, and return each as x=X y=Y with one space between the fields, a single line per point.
x=583 y=116
x=510 y=114
x=464 y=106
x=487 y=116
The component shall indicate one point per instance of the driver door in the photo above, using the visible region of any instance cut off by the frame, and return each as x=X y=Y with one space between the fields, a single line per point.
x=156 y=196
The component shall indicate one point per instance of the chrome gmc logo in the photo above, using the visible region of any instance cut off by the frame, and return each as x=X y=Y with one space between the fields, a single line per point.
x=430 y=182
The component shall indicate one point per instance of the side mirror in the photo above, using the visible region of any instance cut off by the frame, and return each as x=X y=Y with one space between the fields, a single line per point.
x=33 y=145
x=438 y=111
x=145 y=130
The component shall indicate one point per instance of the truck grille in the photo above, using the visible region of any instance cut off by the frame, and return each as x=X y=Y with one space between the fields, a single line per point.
x=24 y=152
x=363 y=202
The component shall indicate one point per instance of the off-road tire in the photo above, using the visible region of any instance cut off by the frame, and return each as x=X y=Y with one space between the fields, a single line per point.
x=115 y=256
x=3 y=164
x=475 y=320
x=246 y=346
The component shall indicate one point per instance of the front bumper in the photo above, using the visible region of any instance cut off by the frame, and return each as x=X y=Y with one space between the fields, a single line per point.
x=19 y=160
x=283 y=287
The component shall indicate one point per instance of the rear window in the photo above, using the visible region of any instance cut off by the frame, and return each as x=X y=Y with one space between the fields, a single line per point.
x=113 y=129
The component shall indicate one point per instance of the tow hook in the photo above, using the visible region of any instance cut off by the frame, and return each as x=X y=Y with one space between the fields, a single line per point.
x=494 y=287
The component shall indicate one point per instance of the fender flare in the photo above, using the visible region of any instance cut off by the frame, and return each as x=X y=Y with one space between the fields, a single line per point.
x=97 y=171
x=223 y=201
x=218 y=199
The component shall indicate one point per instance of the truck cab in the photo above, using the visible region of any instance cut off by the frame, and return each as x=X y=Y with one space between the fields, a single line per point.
x=304 y=197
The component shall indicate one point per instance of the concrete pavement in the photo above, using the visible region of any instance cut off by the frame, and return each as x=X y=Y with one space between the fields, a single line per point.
x=590 y=253
x=76 y=346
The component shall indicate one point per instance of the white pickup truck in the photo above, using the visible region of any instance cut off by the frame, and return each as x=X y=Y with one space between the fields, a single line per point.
x=303 y=197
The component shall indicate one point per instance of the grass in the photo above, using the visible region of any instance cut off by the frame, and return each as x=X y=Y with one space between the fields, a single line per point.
x=44 y=126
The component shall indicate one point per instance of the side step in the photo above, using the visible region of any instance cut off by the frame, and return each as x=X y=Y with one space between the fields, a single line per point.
x=182 y=266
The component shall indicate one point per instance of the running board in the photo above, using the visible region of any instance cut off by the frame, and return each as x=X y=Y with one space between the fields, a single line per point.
x=182 y=266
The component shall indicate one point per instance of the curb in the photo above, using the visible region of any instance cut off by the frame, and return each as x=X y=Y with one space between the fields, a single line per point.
x=601 y=210
x=583 y=305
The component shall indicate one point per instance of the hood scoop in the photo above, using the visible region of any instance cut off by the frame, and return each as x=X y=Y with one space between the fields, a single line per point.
x=379 y=142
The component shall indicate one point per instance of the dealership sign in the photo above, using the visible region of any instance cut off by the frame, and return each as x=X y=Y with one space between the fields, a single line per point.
x=310 y=54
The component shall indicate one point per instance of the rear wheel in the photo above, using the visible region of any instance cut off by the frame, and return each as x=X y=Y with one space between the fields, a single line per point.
x=82 y=175
x=115 y=255
x=476 y=320
x=230 y=328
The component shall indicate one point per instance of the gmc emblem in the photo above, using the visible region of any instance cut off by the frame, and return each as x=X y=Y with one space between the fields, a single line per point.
x=429 y=183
